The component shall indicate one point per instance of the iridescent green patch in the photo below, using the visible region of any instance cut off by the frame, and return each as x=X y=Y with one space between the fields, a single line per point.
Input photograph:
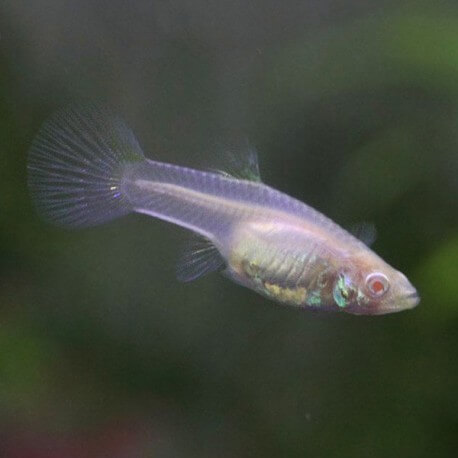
x=314 y=299
x=341 y=292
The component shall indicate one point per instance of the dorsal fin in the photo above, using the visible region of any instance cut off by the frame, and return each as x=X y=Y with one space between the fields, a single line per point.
x=364 y=231
x=240 y=162
x=200 y=257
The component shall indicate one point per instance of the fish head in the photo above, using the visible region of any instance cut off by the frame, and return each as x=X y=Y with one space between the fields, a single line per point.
x=369 y=286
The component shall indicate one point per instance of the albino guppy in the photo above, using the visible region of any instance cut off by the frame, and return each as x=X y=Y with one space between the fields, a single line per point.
x=86 y=167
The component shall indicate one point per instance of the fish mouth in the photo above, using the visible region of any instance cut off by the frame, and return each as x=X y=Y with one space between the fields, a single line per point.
x=411 y=300
x=405 y=302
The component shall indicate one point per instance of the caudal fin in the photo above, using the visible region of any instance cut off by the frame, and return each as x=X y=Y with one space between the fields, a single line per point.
x=75 y=166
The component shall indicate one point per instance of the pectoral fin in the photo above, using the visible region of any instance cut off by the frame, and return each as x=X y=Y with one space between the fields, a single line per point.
x=200 y=257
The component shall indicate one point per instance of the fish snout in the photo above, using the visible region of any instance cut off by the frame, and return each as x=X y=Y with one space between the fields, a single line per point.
x=411 y=298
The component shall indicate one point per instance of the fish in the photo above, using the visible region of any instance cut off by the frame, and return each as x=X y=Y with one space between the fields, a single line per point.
x=86 y=167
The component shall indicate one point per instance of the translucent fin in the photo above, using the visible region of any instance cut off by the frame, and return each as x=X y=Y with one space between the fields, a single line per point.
x=76 y=163
x=364 y=231
x=199 y=258
x=240 y=162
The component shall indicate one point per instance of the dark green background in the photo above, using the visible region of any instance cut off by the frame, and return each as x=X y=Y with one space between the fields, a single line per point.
x=353 y=106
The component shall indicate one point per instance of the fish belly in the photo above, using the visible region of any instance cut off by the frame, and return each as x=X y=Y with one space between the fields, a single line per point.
x=274 y=260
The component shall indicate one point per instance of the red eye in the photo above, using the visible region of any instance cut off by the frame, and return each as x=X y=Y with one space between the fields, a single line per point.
x=377 y=284
x=377 y=287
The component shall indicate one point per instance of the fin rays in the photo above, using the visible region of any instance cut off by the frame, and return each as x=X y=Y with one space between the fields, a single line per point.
x=75 y=165
x=240 y=162
x=199 y=258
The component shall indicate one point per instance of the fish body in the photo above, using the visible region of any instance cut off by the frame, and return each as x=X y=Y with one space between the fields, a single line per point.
x=86 y=167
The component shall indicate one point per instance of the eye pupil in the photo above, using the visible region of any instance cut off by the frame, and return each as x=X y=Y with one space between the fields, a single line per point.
x=377 y=287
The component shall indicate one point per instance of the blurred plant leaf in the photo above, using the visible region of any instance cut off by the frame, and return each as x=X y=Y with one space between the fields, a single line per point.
x=24 y=365
x=383 y=171
x=437 y=281
x=368 y=54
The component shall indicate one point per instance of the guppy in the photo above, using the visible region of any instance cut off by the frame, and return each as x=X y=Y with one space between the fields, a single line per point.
x=86 y=167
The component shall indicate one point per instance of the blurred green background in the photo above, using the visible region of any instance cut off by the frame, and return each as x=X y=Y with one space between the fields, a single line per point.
x=353 y=106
